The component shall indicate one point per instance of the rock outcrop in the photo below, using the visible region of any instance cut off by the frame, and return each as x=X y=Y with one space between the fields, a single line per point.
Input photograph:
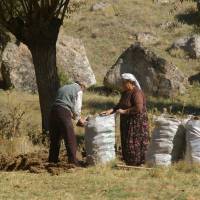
x=18 y=69
x=156 y=75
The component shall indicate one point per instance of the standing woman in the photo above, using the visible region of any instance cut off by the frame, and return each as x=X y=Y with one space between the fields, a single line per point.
x=133 y=121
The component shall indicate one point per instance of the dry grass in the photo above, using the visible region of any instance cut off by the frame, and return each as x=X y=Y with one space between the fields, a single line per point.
x=180 y=182
x=113 y=34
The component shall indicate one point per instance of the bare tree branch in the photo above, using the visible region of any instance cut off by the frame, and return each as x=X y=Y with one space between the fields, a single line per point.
x=59 y=7
x=24 y=6
x=64 y=10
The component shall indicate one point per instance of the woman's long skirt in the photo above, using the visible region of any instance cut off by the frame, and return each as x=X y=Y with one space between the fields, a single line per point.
x=134 y=138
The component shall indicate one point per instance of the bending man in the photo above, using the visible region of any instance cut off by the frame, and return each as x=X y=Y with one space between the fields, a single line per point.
x=67 y=106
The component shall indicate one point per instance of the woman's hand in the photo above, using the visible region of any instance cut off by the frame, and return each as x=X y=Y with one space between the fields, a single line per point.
x=81 y=122
x=107 y=112
x=121 y=111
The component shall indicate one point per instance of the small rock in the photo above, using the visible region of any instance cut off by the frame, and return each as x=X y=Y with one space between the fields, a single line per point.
x=168 y=25
x=190 y=44
x=94 y=35
x=163 y=1
x=99 y=6
x=106 y=8
x=147 y=38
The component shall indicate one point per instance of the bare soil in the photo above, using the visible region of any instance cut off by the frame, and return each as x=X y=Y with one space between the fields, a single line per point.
x=35 y=163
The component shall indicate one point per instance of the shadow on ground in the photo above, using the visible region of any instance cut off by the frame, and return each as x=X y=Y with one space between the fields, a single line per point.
x=191 y=17
x=102 y=90
x=98 y=107
x=175 y=108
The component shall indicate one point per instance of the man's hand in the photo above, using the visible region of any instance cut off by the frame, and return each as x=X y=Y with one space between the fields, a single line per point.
x=81 y=122
x=107 y=112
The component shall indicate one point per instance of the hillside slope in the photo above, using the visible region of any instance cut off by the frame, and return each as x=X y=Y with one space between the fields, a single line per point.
x=107 y=34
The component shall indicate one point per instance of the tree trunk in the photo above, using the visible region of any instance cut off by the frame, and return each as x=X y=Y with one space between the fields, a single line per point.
x=44 y=59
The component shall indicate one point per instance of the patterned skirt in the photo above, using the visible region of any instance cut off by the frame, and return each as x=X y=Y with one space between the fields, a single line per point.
x=134 y=138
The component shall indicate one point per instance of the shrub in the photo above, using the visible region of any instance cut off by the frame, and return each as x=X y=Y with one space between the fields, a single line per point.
x=10 y=122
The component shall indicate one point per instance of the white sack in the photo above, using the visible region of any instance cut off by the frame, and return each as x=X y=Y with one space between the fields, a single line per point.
x=100 y=139
x=193 y=141
x=161 y=146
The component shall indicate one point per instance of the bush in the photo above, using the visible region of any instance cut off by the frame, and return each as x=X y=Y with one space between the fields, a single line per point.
x=36 y=136
x=10 y=122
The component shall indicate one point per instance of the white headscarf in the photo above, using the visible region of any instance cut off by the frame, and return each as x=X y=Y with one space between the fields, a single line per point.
x=131 y=77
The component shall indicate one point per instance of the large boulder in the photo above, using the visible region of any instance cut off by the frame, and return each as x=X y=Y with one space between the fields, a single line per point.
x=72 y=60
x=189 y=44
x=4 y=38
x=156 y=76
x=18 y=69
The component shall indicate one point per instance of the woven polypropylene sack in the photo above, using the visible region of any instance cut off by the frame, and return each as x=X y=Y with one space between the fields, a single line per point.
x=161 y=146
x=193 y=141
x=100 y=139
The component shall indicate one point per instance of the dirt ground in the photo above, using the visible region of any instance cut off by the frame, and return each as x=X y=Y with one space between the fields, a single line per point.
x=35 y=163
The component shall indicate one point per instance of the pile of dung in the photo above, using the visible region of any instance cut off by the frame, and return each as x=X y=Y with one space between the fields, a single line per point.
x=35 y=163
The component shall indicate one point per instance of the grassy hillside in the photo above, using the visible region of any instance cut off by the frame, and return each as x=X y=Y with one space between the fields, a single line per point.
x=106 y=34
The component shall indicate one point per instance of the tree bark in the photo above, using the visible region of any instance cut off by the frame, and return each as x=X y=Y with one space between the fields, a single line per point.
x=44 y=59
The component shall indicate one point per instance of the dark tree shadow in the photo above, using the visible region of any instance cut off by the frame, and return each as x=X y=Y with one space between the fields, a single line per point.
x=102 y=90
x=2 y=85
x=192 y=17
x=80 y=139
x=194 y=78
x=99 y=106
x=179 y=144
x=175 y=108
